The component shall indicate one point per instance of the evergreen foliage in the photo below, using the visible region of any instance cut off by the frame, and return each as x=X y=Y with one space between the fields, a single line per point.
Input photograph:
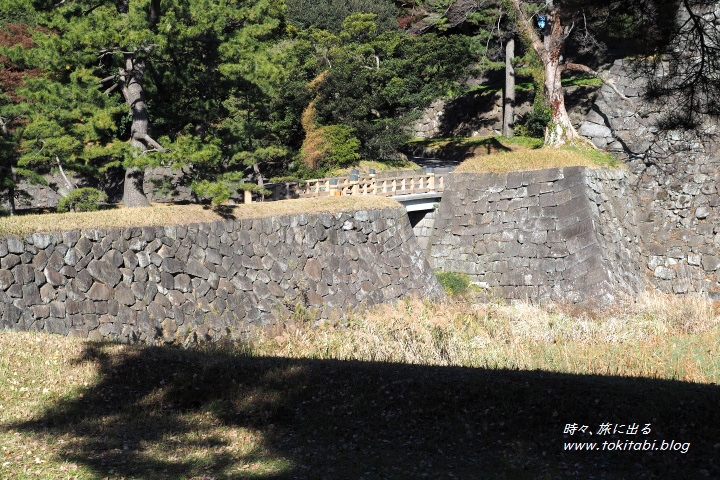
x=377 y=81
x=199 y=66
x=329 y=14
x=82 y=200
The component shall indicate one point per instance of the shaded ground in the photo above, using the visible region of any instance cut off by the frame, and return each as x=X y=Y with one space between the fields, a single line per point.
x=454 y=151
x=332 y=419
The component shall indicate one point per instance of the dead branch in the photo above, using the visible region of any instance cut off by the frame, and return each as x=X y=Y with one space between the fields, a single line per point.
x=577 y=67
x=62 y=172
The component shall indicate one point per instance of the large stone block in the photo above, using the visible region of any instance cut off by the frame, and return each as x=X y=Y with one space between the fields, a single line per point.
x=104 y=272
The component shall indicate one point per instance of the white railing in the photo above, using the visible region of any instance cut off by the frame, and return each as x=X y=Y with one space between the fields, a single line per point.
x=354 y=184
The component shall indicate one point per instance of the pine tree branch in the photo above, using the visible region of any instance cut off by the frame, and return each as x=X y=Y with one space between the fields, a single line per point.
x=110 y=89
x=577 y=67
x=62 y=172
x=154 y=143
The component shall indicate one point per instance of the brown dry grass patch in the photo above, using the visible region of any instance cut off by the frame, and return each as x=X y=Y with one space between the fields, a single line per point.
x=654 y=335
x=537 y=159
x=184 y=214
x=82 y=410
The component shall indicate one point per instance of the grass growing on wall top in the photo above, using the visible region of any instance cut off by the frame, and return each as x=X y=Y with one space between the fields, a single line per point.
x=381 y=397
x=365 y=166
x=507 y=142
x=537 y=159
x=184 y=214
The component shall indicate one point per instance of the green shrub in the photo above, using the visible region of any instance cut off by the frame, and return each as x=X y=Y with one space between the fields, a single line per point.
x=454 y=283
x=82 y=200
x=342 y=146
x=534 y=123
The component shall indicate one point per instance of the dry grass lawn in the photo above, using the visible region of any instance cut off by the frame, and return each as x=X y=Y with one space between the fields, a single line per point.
x=419 y=390
x=638 y=339
x=184 y=214
x=537 y=159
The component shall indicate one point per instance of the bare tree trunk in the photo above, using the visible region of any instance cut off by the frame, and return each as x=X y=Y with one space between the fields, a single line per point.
x=5 y=132
x=11 y=193
x=133 y=193
x=549 y=49
x=132 y=88
x=509 y=103
x=560 y=130
x=70 y=186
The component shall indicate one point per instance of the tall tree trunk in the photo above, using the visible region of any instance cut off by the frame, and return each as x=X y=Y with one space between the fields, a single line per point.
x=132 y=88
x=133 y=193
x=5 y=132
x=509 y=103
x=549 y=49
x=560 y=130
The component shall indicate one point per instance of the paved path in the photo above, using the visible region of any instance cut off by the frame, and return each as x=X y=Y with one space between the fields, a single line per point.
x=440 y=165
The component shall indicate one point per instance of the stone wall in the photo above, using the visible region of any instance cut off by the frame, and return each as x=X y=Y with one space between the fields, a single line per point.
x=205 y=281
x=162 y=185
x=561 y=234
x=479 y=113
x=423 y=223
x=676 y=183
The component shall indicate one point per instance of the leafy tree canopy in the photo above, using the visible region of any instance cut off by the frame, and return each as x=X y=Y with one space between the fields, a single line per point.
x=167 y=70
x=376 y=81
x=329 y=14
x=218 y=88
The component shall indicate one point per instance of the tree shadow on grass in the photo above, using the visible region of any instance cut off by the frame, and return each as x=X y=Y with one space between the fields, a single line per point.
x=341 y=419
x=457 y=151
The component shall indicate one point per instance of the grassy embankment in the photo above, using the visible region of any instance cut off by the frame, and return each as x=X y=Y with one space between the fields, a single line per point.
x=501 y=154
x=163 y=214
x=413 y=391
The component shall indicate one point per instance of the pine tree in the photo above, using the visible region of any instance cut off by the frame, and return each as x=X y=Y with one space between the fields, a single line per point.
x=137 y=83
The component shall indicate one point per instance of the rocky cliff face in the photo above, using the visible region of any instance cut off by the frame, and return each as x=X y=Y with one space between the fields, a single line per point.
x=675 y=177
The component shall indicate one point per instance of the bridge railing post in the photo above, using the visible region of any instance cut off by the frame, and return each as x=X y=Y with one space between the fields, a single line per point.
x=372 y=182
x=353 y=181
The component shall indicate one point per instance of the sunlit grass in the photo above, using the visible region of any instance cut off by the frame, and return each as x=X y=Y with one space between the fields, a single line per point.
x=683 y=332
x=537 y=159
x=158 y=215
